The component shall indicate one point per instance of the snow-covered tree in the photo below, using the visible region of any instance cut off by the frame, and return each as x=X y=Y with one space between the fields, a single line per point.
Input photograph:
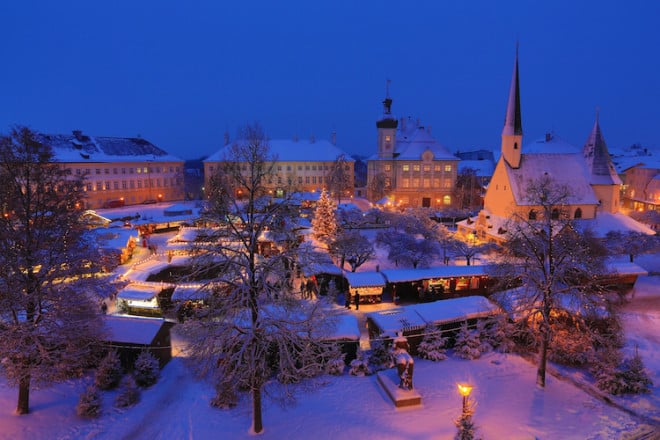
x=252 y=328
x=468 y=344
x=351 y=247
x=407 y=249
x=109 y=371
x=129 y=393
x=146 y=369
x=360 y=365
x=467 y=429
x=339 y=178
x=632 y=243
x=89 y=404
x=469 y=250
x=433 y=345
x=629 y=377
x=381 y=357
x=324 y=222
x=50 y=321
x=554 y=263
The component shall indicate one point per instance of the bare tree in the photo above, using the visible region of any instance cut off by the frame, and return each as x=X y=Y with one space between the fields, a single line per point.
x=49 y=321
x=467 y=192
x=251 y=329
x=470 y=251
x=380 y=186
x=351 y=247
x=632 y=243
x=553 y=263
x=339 y=178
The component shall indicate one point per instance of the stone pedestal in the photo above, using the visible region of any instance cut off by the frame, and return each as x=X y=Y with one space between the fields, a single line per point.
x=389 y=380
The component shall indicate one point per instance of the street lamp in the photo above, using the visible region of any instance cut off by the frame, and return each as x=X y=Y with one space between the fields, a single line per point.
x=464 y=390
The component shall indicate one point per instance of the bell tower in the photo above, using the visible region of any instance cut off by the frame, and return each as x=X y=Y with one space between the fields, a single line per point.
x=387 y=128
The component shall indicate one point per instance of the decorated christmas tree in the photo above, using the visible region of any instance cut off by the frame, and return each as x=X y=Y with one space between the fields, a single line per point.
x=324 y=222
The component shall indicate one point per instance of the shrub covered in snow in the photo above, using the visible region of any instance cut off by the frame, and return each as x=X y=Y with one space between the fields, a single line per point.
x=360 y=365
x=630 y=377
x=432 y=346
x=570 y=347
x=336 y=365
x=146 y=369
x=129 y=394
x=109 y=371
x=89 y=404
x=498 y=333
x=381 y=357
x=468 y=344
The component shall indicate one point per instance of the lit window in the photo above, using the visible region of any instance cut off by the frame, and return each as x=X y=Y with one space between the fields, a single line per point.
x=437 y=167
x=405 y=167
x=427 y=168
x=426 y=183
x=415 y=183
x=405 y=183
x=388 y=138
x=446 y=200
x=388 y=167
x=446 y=183
x=416 y=167
x=436 y=182
x=448 y=168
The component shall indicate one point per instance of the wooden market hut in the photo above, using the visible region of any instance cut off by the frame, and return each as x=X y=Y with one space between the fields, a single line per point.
x=131 y=335
x=370 y=285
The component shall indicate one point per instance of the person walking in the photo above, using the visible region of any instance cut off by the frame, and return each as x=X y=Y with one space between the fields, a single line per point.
x=357 y=300
x=347 y=299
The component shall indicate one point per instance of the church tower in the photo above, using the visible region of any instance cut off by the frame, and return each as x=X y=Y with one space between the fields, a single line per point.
x=512 y=131
x=602 y=175
x=387 y=128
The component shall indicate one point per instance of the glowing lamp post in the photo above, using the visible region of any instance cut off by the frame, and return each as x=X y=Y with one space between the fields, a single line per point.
x=465 y=391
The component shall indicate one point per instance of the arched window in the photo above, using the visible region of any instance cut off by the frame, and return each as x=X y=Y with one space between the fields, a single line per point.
x=515 y=145
x=578 y=213
x=555 y=214
x=532 y=215
x=446 y=200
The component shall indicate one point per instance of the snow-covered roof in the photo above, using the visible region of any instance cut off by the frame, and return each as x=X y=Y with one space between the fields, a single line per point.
x=624 y=268
x=188 y=292
x=418 y=316
x=456 y=310
x=607 y=222
x=404 y=275
x=565 y=169
x=290 y=150
x=412 y=140
x=346 y=328
x=365 y=279
x=132 y=330
x=79 y=147
x=114 y=238
x=138 y=292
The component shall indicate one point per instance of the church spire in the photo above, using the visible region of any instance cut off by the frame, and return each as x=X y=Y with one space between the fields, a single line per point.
x=512 y=131
x=597 y=156
x=513 y=119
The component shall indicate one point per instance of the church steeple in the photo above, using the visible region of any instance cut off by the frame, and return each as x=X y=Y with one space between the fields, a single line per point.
x=601 y=172
x=512 y=132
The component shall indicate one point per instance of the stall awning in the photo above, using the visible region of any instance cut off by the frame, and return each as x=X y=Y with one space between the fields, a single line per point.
x=365 y=279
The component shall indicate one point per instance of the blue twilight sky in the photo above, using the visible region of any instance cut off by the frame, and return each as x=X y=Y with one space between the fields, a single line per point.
x=181 y=74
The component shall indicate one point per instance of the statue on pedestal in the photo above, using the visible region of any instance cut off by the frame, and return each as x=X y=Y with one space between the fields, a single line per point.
x=404 y=362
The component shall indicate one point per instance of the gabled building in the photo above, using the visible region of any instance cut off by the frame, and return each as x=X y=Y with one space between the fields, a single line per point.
x=588 y=172
x=410 y=168
x=302 y=165
x=119 y=171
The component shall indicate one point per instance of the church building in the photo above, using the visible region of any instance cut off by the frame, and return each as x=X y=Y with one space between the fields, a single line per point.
x=588 y=172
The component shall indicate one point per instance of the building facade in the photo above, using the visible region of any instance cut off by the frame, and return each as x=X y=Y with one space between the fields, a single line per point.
x=119 y=171
x=302 y=165
x=410 y=168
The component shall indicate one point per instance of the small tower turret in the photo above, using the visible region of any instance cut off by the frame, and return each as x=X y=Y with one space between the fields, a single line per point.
x=387 y=127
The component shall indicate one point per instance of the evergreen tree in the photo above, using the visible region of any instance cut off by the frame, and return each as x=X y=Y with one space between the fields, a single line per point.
x=146 y=369
x=433 y=345
x=468 y=345
x=324 y=222
x=89 y=404
x=108 y=373
x=129 y=394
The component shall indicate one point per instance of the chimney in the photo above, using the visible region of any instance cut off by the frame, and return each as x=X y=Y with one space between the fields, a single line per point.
x=333 y=137
x=548 y=137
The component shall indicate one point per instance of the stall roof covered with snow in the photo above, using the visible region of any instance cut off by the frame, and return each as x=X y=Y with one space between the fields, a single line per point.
x=407 y=275
x=365 y=279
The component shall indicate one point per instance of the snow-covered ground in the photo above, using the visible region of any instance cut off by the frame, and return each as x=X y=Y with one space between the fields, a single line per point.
x=509 y=404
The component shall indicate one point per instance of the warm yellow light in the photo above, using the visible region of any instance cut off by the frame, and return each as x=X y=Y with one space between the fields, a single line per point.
x=464 y=389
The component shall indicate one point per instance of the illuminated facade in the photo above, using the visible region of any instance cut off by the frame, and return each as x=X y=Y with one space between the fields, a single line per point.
x=411 y=168
x=119 y=171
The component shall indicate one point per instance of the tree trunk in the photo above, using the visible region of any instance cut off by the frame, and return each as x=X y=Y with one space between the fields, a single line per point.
x=23 y=406
x=543 y=359
x=631 y=257
x=256 y=411
x=468 y=260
